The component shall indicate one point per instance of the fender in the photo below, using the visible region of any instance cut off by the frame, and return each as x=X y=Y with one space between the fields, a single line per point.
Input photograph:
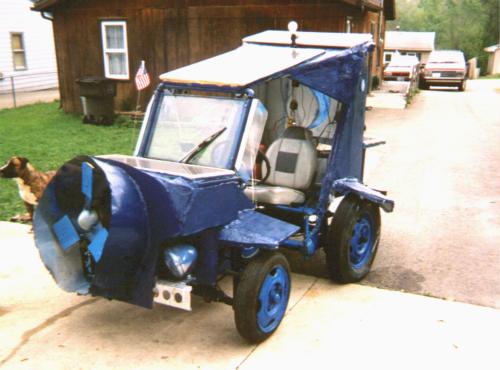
x=351 y=185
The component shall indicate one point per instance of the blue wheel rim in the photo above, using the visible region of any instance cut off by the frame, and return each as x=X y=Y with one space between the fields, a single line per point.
x=361 y=243
x=273 y=299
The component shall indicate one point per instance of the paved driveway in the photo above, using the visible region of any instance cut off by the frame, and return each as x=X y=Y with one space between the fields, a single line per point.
x=441 y=164
x=326 y=326
x=28 y=97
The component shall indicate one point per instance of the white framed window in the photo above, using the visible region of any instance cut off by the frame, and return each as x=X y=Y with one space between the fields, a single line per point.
x=18 y=51
x=115 y=49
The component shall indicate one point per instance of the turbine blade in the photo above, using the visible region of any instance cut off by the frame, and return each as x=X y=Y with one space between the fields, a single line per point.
x=66 y=233
x=98 y=239
x=87 y=174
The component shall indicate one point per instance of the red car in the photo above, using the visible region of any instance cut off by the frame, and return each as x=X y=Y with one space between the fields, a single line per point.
x=401 y=68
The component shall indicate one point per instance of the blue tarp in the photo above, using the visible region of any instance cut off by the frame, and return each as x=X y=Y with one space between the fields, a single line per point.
x=147 y=208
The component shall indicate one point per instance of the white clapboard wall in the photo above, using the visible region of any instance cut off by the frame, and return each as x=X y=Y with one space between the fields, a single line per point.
x=41 y=68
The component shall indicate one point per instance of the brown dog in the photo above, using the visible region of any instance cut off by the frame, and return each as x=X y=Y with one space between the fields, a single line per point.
x=31 y=183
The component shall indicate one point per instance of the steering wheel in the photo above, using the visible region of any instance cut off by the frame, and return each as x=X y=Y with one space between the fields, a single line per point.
x=219 y=153
x=261 y=156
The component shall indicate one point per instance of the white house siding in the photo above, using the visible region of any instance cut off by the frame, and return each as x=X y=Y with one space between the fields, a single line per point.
x=41 y=72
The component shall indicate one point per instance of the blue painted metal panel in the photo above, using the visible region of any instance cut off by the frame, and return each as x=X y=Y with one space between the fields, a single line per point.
x=87 y=182
x=96 y=246
x=252 y=228
x=66 y=233
x=350 y=185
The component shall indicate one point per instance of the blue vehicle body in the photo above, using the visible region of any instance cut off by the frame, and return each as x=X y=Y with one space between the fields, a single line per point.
x=142 y=207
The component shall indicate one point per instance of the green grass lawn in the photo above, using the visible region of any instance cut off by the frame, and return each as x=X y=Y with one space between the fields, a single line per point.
x=490 y=77
x=48 y=137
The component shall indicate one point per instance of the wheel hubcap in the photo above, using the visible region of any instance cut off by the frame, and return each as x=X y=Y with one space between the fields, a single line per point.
x=273 y=299
x=361 y=247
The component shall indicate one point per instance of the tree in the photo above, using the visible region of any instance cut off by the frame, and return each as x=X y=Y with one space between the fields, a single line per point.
x=467 y=25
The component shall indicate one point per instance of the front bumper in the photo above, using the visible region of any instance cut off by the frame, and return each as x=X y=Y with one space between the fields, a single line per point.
x=397 y=78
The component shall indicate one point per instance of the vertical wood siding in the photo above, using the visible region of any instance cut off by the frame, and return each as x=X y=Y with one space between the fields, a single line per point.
x=171 y=34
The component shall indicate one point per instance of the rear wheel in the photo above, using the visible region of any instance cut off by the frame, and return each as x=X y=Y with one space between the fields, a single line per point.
x=353 y=238
x=261 y=296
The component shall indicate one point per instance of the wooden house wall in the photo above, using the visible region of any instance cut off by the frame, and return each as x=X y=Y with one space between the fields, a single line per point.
x=170 y=34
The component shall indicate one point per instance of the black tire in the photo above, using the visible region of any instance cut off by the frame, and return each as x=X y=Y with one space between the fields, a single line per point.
x=269 y=267
x=353 y=238
x=462 y=85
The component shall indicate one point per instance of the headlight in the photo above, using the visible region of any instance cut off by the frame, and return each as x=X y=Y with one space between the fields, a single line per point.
x=180 y=259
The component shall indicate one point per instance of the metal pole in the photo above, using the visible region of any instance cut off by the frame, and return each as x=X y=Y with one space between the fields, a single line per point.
x=13 y=90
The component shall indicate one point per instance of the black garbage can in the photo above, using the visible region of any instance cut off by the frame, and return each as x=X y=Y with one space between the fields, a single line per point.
x=97 y=96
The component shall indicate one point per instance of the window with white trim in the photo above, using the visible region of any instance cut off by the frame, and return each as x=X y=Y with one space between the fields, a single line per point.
x=115 y=50
x=18 y=52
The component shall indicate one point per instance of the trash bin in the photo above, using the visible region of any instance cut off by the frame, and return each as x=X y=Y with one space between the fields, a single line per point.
x=96 y=94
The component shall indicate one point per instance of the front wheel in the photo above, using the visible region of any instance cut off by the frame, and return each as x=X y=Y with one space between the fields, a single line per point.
x=353 y=238
x=262 y=296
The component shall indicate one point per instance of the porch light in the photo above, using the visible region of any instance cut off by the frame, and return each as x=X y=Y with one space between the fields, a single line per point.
x=292 y=28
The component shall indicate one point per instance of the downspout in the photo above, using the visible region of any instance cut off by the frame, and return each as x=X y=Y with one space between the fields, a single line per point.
x=48 y=16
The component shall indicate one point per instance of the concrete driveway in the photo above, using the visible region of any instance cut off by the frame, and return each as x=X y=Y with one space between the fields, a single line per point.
x=441 y=164
x=327 y=325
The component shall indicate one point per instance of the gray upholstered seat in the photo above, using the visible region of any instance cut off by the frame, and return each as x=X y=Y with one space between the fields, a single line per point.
x=293 y=162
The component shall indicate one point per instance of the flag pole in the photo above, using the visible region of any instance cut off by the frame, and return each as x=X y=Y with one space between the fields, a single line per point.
x=137 y=106
x=138 y=101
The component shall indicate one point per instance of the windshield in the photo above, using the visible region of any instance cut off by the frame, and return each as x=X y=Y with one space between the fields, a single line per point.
x=185 y=127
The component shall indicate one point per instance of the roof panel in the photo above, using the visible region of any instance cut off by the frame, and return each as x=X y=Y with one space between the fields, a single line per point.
x=310 y=39
x=401 y=40
x=242 y=66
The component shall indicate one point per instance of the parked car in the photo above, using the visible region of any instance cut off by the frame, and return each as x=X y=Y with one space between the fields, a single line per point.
x=187 y=209
x=402 y=68
x=444 y=68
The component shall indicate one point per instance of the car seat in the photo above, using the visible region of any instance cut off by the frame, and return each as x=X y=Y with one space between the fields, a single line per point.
x=293 y=161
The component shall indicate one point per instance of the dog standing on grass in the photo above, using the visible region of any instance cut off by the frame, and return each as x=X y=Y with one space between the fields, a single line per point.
x=31 y=183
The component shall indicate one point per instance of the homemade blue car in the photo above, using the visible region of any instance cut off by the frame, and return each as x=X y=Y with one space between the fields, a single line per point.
x=239 y=156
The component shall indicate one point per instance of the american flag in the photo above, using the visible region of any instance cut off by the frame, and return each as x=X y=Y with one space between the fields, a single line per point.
x=142 y=77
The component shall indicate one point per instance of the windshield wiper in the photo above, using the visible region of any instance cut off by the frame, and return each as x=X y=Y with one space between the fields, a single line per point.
x=202 y=145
